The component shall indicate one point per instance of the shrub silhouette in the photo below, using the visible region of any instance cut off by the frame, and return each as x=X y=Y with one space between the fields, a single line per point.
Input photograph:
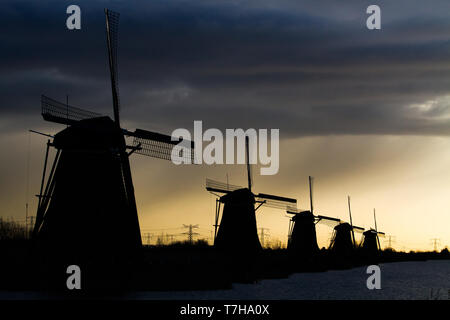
x=11 y=230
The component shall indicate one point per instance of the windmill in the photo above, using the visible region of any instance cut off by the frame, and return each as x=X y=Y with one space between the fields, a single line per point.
x=302 y=238
x=343 y=241
x=371 y=238
x=89 y=189
x=237 y=229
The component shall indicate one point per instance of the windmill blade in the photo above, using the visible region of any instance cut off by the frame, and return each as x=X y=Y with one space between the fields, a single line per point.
x=269 y=200
x=216 y=186
x=249 y=166
x=295 y=210
x=277 y=202
x=351 y=222
x=329 y=218
x=311 y=199
x=276 y=198
x=358 y=229
x=55 y=111
x=381 y=234
x=160 y=146
x=329 y=221
x=112 y=26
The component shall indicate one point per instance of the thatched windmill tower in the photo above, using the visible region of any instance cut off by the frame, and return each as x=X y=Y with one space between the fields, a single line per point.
x=87 y=211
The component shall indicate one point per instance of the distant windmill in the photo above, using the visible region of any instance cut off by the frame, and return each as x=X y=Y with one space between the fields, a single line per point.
x=302 y=238
x=371 y=238
x=89 y=189
x=238 y=224
x=343 y=241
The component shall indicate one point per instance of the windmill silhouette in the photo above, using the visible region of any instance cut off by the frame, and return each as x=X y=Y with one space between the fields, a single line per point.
x=302 y=238
x=371 y=239
x=343 y=242
x=237 y=229
x=89 y=189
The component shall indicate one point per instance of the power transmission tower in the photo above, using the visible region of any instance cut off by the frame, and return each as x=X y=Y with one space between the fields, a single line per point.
x=169 y=238
x=190 y=233
x=263 y=235
x=29 y=225
x=435 y=242
x=148 y=237
x=160 y=240
x=390 y=241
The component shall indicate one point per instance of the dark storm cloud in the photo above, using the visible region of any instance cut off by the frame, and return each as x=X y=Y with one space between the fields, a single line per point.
x=306 y=67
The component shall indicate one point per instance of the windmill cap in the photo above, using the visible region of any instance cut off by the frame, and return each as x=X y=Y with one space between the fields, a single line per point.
x=239 y=196
x=100 y=133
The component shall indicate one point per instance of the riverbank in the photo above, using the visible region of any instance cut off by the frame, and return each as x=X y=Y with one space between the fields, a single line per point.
x=185 y=267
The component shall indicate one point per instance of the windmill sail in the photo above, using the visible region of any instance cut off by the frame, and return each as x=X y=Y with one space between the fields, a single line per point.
x=112 y=26
x=150 y=143
x=160 y=146
x=268 y=200
x=277 y=202
x=221 y=187
x=311 y=199
x=328 y=221
x=249 y=166
x=55 y=111
x=358 y=229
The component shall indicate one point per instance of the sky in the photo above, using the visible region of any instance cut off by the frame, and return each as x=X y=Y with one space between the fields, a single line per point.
x=367 y=113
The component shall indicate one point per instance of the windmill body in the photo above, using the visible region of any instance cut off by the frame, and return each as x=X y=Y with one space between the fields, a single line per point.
x=370 y=242
x=238 y=230
x=89 y=193
x=303 y=239
x=342 y=242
